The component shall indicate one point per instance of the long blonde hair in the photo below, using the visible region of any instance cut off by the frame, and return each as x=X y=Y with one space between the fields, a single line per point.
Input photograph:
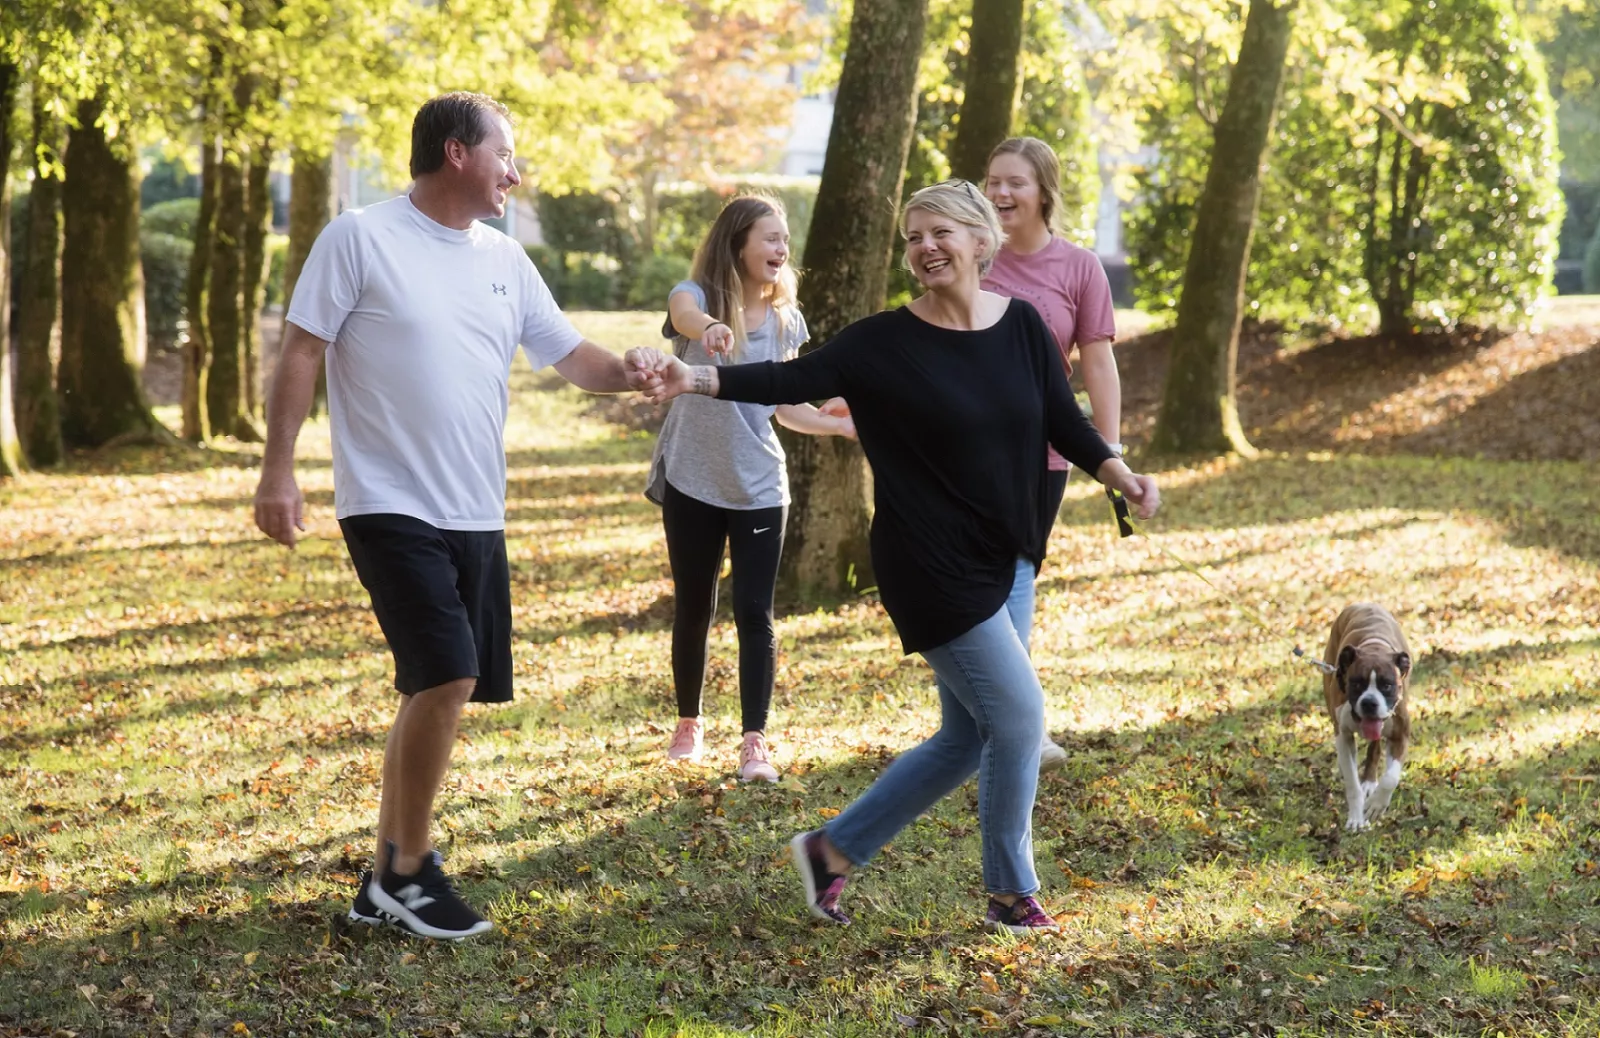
x=718 y=271
x=1046 y=173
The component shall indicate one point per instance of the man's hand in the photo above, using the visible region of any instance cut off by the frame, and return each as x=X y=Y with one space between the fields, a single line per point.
x=280 y=507
x=644 y=364
x=675 y=378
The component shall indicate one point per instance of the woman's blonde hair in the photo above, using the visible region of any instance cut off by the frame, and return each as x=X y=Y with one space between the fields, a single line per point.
x=718 y=271
x=960 y=201
x=1046 y=173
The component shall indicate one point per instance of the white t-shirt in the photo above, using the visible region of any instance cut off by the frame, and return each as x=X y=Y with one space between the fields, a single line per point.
x=424 y=322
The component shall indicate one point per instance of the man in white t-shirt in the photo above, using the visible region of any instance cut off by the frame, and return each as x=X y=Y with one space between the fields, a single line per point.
x=420 y=309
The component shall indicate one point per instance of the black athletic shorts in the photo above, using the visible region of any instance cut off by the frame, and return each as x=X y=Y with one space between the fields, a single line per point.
x=443 y=599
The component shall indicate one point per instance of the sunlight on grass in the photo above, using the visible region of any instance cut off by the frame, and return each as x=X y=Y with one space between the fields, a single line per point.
x=196 y=718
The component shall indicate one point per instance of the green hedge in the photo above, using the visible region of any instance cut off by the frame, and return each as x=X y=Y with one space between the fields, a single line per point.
x=653 y=280
x=1591 y=264
x=592 y=257
x=176 y=218
x=165 y=258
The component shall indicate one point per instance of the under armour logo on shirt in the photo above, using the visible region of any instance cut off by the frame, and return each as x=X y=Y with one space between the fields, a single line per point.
x=499 y=290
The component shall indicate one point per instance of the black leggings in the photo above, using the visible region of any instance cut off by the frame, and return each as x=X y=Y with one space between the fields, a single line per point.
x=696 y=533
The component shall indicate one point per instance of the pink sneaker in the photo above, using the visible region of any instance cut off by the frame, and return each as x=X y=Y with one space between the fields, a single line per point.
x=688 y=740
x=754 y=762
x=1023 y=916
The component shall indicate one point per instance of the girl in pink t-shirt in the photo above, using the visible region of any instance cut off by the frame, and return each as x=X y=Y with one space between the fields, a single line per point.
x=1068 y=287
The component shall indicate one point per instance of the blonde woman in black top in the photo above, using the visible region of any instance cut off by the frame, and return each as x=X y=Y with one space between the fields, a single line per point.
x=954 y=398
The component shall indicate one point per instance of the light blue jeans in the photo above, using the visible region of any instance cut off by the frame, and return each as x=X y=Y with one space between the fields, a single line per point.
x=992 y=714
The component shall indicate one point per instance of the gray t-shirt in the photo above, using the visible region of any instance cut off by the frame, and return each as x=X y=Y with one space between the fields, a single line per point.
x=722 y=453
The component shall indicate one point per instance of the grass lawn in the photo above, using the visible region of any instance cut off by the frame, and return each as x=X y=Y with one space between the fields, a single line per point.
x=194 y=721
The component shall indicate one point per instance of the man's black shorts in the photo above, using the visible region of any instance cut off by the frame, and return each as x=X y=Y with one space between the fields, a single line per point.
x=443 y=599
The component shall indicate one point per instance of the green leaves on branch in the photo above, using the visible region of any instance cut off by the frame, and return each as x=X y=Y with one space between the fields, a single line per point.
x=1412 y=180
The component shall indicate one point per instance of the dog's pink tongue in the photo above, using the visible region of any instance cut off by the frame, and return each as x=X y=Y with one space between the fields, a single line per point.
x=1372 y=729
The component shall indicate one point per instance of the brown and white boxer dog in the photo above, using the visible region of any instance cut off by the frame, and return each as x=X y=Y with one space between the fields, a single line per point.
x=1367 y=701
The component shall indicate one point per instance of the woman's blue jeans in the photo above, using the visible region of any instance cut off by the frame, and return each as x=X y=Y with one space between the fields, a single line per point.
x=992 y=713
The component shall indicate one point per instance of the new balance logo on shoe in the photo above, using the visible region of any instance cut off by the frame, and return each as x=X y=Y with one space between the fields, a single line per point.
x=412 y=897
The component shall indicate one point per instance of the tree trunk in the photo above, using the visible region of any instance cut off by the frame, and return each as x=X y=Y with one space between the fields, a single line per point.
x=1199 y=411
x=11 y=460
x=38 y=329
x=847 y=252
x=224 y=328
x=196 y=346
x=310 y=209
x=1394 y=247
x=992 y=86
x=257 y=225
x=102 y=291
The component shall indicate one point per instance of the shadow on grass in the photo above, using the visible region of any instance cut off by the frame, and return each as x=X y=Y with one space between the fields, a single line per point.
x=623 y=450
x=687 y=903
x=161 y=461
x=1531 y=408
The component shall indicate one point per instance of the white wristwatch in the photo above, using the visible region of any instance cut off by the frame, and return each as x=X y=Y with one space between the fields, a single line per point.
x=1116 y=448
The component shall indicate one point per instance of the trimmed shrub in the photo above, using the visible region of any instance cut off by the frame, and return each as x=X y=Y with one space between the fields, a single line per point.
x=277 y=262
x=653 y=279
x=1591 y=263
x=165 y=258
x=586 y=238
x=587 y=287
x=1340 y=240
x=548 y=263
x=176 y=218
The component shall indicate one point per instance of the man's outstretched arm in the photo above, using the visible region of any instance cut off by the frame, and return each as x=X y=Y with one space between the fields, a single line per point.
x=280 y=509
x=596 y=369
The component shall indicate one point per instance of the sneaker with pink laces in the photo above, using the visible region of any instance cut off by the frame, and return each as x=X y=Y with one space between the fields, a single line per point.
x=822 y=887
x=1022 y=916
x=755 y=763
x=688 y=739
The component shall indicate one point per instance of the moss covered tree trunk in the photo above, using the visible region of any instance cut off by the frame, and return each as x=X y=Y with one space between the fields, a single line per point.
x=102 y=291
x=847 y=253
x=11 y=460
x=992 y=84
x=38 y=330
x=1199 y=411
x=196 y=346
x=225 y=400
x=257 y=224
x=310 y=209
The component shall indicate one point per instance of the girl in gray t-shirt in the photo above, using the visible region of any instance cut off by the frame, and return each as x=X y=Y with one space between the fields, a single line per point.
x=718 y=471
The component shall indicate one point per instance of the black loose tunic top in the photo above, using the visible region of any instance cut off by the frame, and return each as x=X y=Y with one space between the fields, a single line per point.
x=954 y=424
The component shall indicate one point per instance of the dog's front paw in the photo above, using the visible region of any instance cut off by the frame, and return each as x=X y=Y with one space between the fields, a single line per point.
x=1369 y=788
x=1355 y=823
x=1375 y=806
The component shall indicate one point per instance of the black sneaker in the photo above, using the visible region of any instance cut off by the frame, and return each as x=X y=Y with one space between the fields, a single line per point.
x=363 y=910
x=424 y=902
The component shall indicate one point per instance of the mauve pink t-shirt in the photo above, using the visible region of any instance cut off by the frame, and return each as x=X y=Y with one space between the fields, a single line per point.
x=1068 y=287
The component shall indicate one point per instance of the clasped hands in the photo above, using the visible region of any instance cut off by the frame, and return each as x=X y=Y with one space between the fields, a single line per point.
x=658 y=376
